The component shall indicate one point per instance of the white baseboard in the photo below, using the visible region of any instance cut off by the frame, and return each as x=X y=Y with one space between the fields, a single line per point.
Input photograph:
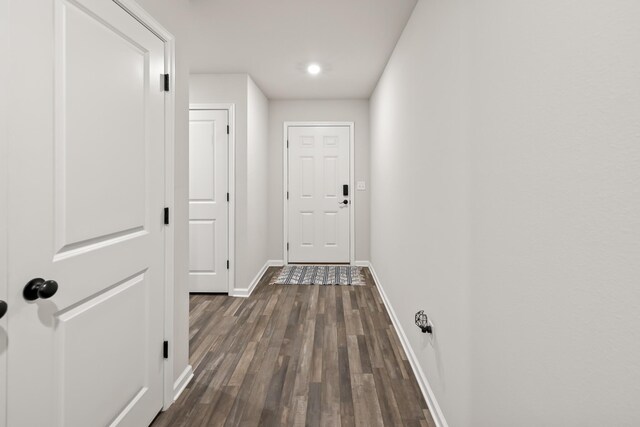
x=427 y=392
x=245 y=292
x=181 y=383
x=362 y=263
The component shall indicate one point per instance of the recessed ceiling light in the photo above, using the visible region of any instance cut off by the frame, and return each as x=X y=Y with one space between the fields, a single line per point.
x=314 y=69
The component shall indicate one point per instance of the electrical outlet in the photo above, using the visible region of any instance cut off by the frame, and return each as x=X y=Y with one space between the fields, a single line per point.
x=361 y=186
x=432 y=335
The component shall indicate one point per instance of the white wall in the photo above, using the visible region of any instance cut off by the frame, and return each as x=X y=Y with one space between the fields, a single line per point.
x=251 y=164
x=174 y=16
x=419 y=203
x=511 y=132
x=257 y=177
x=281 y=111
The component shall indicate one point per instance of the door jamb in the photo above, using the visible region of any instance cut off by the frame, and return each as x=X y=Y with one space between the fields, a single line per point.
x=4 y=175
x=231 y=184
x=285 y=184
x=146 y=19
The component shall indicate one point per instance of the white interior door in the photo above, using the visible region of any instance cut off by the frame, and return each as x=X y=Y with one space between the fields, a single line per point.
x=208 y=201
x=319 y=202
x=86 y=200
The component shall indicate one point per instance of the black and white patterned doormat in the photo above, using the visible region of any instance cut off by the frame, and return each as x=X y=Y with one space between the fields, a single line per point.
x=320 y=275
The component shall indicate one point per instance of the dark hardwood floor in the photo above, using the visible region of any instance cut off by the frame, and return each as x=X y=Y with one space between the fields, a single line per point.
x=297 y=356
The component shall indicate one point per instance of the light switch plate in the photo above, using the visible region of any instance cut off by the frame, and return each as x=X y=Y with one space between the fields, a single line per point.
x=361 y=186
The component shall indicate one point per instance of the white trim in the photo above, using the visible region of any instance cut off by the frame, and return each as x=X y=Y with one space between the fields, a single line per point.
x=169 y=242
x=136 y=11
x=182 y=382
x=4 y=202
x=275 y=263
x=285 y=183
x=285 y=188
x=245 y=293
x=352 y=196
x=231 y=185
x=427 y=392
x=146 y=19
x=362 y=264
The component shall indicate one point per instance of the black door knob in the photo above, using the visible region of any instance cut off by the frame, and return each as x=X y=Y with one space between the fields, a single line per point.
x=3 y=308
x=345 y=202
x=40 y=288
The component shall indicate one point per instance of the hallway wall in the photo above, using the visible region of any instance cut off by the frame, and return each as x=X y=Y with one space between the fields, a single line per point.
x=251 y=113
x=511 y=133
x=257 y=231
x=419 y=198
x=281 y=111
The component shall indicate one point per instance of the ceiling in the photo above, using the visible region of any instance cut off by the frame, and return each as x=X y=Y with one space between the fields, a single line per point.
x=275 y=40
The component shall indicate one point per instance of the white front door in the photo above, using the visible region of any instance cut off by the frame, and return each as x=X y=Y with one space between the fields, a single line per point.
x=86 y=199
x=319 y=199
x=208 y=204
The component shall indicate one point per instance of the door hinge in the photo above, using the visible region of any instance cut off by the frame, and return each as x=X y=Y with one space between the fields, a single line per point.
x=287 y=245
x=227 y=129
x=166 y=82
x=287 y=143
x=165 y=349
x=166 y=216
x=287 y=195
x=227 y=264
x=227 y=197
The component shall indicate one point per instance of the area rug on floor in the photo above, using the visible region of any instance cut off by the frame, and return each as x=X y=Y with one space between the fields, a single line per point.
x=320 y=275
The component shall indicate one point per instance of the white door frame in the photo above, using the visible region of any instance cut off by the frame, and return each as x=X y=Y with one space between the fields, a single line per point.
x=285 y=184
x=142 y=16
x=231 y=185
x=4 y=175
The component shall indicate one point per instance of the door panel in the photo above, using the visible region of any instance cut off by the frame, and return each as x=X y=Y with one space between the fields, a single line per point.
x=331 y=177
x=208 y=207
x=319 y=222
x=85 y=203
x=330 y=229
x=308 y=177
x=307 y=229
x=121 y=347
x=117 y=168
x=202 y=163
x=202 y=235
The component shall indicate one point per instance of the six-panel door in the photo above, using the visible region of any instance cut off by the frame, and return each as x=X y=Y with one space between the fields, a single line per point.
x=85 y=209
x=318 y=217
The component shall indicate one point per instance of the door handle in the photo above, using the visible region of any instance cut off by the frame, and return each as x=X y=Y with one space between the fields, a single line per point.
x=40 y=288
x=345 y=202
x=3 y=308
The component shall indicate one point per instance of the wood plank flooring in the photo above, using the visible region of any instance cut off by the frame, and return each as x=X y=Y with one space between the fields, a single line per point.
x=292 y=355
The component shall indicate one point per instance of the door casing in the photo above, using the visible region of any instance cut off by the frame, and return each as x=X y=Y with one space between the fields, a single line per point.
x=135 y=10
x=285 y=184
x=4 y=242
x=231 y=182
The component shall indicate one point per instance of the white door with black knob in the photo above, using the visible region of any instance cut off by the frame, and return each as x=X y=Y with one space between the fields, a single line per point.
x=319 y=197
x=86 y=217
